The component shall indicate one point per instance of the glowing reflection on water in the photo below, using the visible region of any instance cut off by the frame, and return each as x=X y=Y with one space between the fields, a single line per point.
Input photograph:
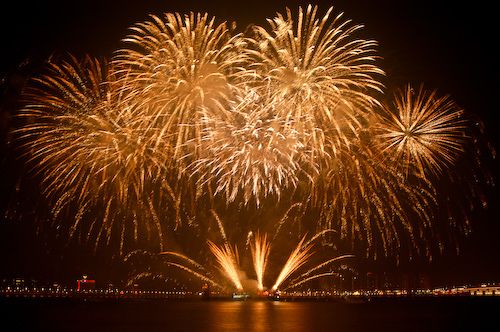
x=387 y=315
x=256 y=316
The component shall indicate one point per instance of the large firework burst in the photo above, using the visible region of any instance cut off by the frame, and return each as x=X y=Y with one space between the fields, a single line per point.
x=95 y=156
x=182 y=68
x=422 y=130
x=254 y=151
x=190 y=112
x=326 y=76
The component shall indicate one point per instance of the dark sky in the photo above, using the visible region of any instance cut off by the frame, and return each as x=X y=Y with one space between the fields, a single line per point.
x=447 y=45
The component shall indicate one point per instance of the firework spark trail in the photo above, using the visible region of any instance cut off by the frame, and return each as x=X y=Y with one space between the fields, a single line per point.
x=197 y=274
x=138 y=276
x=253 y=153
x=284 y=218
x=94 y=155
x=228 y=261
x=221 y=226
x=260 y=251
x=249 y=238
x=368 y=201
x=297 y=258
x=185 y=66
x=320 y=69
x=184 y=257
x=319 y=266
x=320 y=275
x=421 y=129
x=317 y=235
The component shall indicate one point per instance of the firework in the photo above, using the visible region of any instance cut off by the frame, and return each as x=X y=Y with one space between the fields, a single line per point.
x=147 y=265
x=189 y=117
x=300 y=256
x=227 y=258
x=305 y=277
x=422 y=130
x=95 y=157
x=117 y=139
x=253 y=152
x=260 y=253
x=182 y=67
x=319 y=69
x=228 y=263
x=297 y=258
x=367 y=201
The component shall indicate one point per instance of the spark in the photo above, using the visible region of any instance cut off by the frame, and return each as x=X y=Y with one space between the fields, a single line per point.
x=319 y=266
x=260 y=252
x=297 y=258
x=422 y=129
x=182 y=67
x=195 y=273
x=317 y=67
x=93 y=154
x=227 y=258
x=319 y=275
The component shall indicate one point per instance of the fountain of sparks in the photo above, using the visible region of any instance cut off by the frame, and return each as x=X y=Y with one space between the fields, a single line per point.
x=297 y=258
x=227 y=259
x=260 y=252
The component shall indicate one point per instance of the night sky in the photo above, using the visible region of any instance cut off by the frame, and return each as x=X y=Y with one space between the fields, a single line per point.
x=447 y=45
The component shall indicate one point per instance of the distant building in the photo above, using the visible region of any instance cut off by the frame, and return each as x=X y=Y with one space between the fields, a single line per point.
x=347 y=279
x=85 y=284
x=19 y=282
x=371 y=281
x=484 y=290
x=205 y=291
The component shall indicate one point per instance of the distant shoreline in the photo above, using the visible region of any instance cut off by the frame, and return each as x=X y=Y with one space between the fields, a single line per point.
x=117 y=298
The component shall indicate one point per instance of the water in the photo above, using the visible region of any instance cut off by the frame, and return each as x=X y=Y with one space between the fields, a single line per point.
x=432 y=314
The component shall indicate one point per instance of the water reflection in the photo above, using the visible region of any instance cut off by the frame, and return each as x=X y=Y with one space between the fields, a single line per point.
x=404 y=314
x=256 y=316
